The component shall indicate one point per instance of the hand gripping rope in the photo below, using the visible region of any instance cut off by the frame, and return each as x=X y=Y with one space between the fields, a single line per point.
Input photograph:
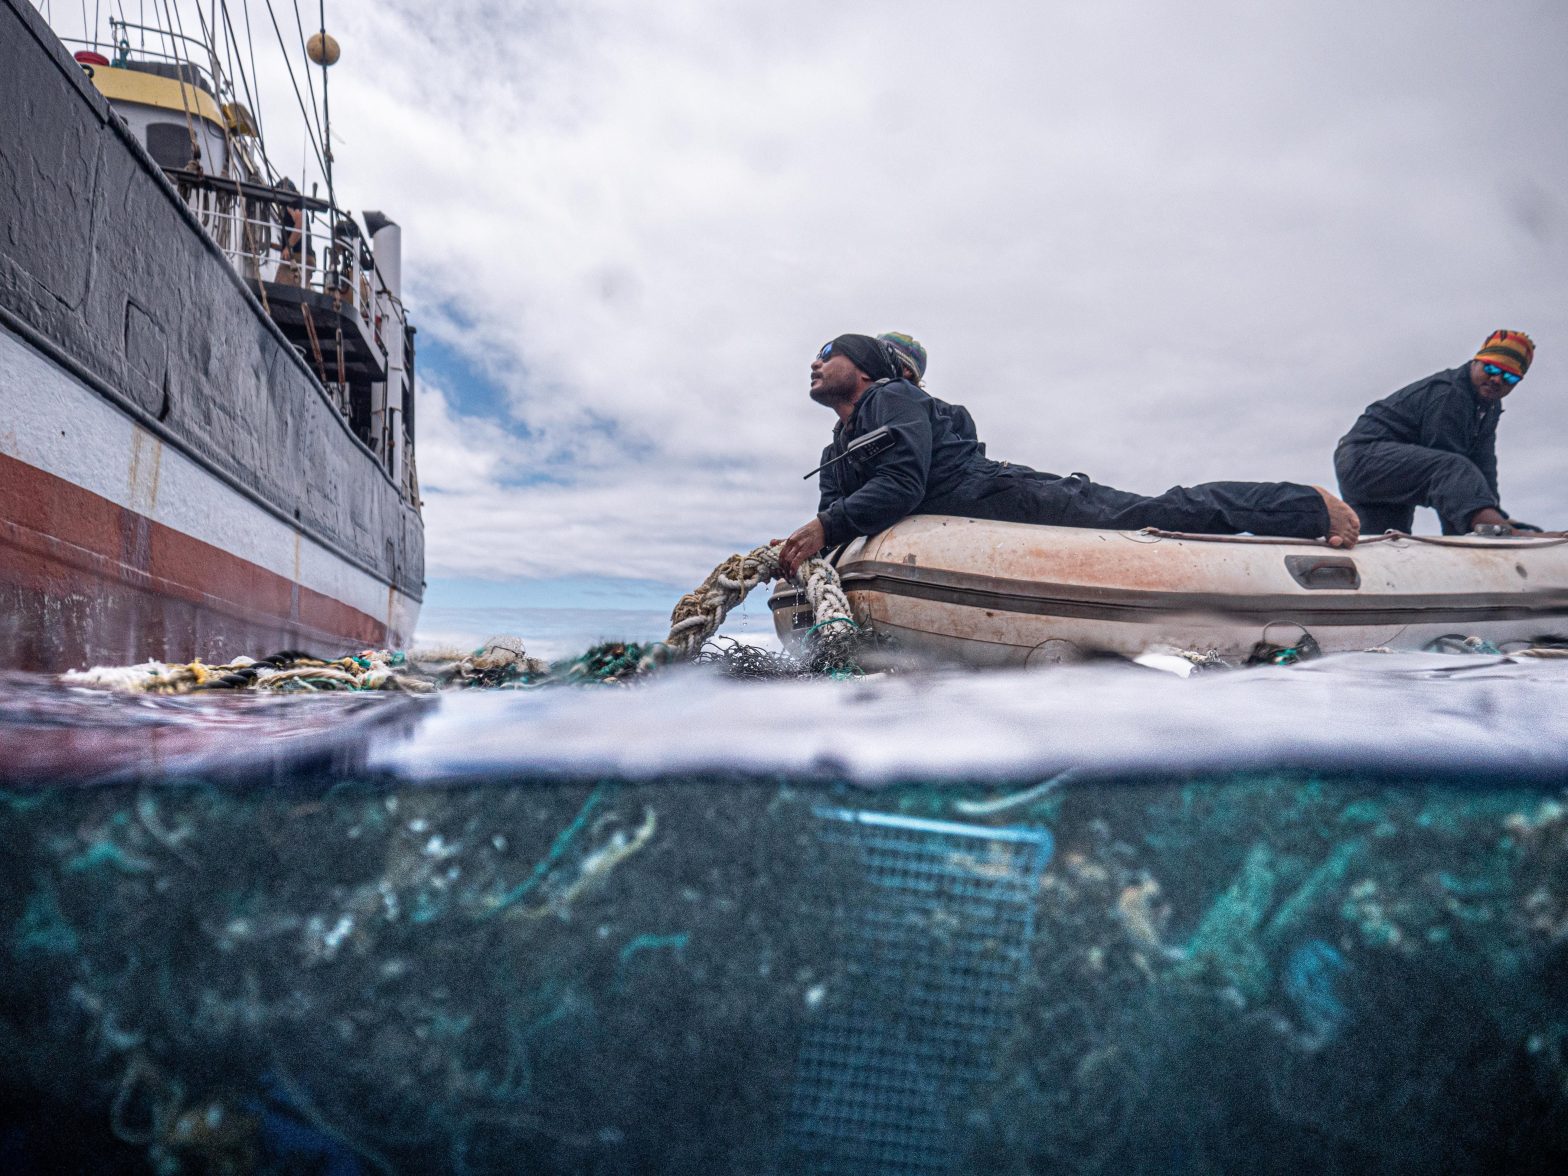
x=699 y=613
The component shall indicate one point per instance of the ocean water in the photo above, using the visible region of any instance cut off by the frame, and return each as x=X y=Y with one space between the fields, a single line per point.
x=553 y=633
x=1093 y=919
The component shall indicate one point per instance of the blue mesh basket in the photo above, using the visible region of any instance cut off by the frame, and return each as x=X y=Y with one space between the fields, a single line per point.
x=934 y=958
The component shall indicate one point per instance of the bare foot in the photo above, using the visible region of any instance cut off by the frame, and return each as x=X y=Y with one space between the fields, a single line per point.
x=1344 y=527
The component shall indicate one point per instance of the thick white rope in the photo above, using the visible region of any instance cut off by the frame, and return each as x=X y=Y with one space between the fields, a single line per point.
x=699 y=613
x=825 y=594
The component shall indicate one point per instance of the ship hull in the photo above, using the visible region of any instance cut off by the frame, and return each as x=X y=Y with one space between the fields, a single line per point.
x=175 y=481
x=116 y=546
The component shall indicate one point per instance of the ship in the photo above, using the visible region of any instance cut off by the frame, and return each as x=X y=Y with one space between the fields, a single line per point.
x=206 y=373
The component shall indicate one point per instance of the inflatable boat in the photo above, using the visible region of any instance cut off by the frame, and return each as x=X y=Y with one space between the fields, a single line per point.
x=1012 y=594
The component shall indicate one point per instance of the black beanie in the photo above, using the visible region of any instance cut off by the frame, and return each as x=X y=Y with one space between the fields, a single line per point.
x=865 y=353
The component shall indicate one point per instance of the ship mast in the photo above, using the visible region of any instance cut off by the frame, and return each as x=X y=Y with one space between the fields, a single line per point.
x=326 y=109
x=323 y=50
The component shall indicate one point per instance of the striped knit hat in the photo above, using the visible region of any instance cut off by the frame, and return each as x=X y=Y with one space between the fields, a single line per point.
x=909 y=349
x=1510 y=350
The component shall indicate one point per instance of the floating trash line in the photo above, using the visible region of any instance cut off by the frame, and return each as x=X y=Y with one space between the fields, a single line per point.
x=503 y=662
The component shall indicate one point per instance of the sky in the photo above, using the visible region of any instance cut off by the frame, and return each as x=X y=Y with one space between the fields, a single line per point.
x=1159 y=244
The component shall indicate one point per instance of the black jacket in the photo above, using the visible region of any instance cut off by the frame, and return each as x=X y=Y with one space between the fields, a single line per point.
x=937 y=466
x=962 y=423
x=930 y=457
x=1439 y=412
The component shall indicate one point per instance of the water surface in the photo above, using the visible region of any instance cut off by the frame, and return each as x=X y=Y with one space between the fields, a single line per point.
x=1099 y=919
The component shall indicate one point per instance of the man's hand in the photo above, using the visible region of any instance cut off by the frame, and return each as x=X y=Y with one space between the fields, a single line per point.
x=1490 y=516
x=801 y=546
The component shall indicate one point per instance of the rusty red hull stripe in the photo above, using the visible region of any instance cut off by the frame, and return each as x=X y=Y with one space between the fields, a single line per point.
x=84 y=579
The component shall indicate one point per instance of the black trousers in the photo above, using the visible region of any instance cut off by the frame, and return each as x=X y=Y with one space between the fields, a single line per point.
x=1018 y=494
x=1384 y=482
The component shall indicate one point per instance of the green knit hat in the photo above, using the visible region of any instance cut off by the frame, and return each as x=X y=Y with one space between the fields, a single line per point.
x=908 y=349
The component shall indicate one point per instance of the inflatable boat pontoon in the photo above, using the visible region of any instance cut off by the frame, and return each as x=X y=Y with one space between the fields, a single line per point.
x=1009 y=594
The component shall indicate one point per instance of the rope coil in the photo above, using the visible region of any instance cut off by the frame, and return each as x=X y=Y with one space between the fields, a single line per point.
x=698 y=614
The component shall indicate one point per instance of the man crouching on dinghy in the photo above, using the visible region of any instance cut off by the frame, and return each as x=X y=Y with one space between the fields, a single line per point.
x=925 y=467
x=1434 y=443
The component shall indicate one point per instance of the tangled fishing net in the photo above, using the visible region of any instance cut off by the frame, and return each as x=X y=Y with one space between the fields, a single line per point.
x=831 y=648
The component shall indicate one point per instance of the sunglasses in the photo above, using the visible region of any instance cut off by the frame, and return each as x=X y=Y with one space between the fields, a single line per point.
x=826 y=353
x=1492 y=369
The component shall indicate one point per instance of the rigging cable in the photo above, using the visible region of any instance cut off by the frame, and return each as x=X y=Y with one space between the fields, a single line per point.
x=235 y=228
x=182 y=78
x=293 y=81
x=251 y=103
x=321 y=130
x=231 y=71
x=220 y=81
x=250 y=44
x=326 y=110
x=252 y=156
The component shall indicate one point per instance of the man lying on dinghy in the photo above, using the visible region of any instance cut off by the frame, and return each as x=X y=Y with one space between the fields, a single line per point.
x=920 y=465
x=1434 y=443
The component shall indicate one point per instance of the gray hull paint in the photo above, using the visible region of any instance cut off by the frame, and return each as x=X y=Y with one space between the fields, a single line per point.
x=103 y=267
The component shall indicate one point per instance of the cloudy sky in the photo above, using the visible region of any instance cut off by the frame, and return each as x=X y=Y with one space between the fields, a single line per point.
x=1157 y=243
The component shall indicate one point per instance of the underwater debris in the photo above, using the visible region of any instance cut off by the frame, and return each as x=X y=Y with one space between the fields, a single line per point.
x=595 y=867
x=1264 y=653
x=1272 y=972
x=1313 y=981
x=990 y=806
x=320 y=978
x=1331 y=948
x=1143 y=914
x=675 y=943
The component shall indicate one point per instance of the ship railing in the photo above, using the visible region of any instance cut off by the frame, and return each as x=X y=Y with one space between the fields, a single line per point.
x=187 y=71
x=195 y=66
x=285 y=244
x=288 y=246
x=209 y=77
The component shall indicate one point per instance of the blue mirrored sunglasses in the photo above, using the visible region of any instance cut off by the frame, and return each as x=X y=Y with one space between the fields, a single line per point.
x=826 y=353
x=1492 y=369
